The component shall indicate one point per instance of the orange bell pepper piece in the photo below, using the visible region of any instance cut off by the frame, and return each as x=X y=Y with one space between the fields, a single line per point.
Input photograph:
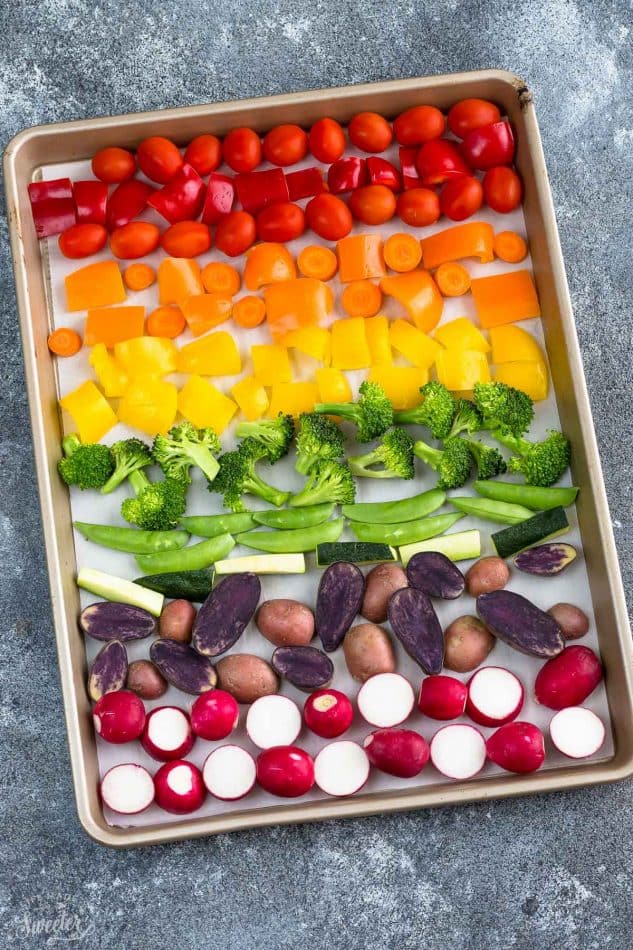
x=205 y=311
x=505 y=298
x=110 y=325
x=268 y=263
x=91 y=412
x=360 y=257
x=465 y=240
x=417 y=292
x=96 y=285
x=178 y=278
x=301 y=302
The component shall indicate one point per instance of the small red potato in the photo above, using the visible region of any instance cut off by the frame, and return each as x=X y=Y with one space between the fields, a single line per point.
x=400 y=752
x=566 y=679
x=167 y=734
x=179 y=787
x=467 y=643
x=286 y=771
x=486 y=574
x=442 y=697
x=176 y=620
x=458 y=751
x=577 y=732
x=119 y=717
x=146 y=680
x=495 y=696
x=385 y=700
x=341 y=768
x=517 y=747
x=573 y=621
x=286 y=623
x=246 y=677
x=381 y=582
x=127 y=789
x=229 y=773
x=272 y=721
x=214 y=715
x=368 y=650
x=328 y=713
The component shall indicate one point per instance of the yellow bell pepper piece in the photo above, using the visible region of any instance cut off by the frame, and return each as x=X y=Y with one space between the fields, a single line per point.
x=271 y=363
x=313 y=341
x=251 y=397
x=505 y=298
x=95 y=285
x=332 y=385
x=147 y=356
x=350 y=349
x=528 y=376
x=512 y=344
x=401 y=383
x=112 y=378
x=178 y=278
x=213 y=355
x=474 y=239
x=91 y=412
x=205 y=311
x=360 y=257
x=110 y=325
x=377 y=333
x=304 y=301
x=417 y=292
x=149 y=404
x=414 y=345
x=292 y=398
x=461 y=334
x=459 y=370
x=204 y=405
x=268 y=263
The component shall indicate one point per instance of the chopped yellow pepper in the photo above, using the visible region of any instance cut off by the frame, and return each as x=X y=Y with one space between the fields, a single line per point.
x=91 y=412
x=251 y=397
x=377 y=333
x=95 y=285
x=511 y=344
x=414 y=345
x=417 y=292
x=350 y=349
x=149 y=404
x=292 y=398
x=461 y=334
x=401 y=383
x=302 y=302
x=505 y=298
x=332 y=385
x=147 y=356
x=271 y=363
x=268 y=263
x=313 y=341
x=459 y=370
x=213 y=355
x=527 y=375
x=178 y=278
x=112 y=378
x=360 y=257
x=204 y=405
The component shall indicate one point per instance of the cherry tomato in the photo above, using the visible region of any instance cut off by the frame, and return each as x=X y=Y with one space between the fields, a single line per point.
x=461 y=197
x=329 y=217
x=135 y=239
x=471 y=114
x=204 y=153
x=327 y=140
x=242 y=150
x=503 y=189
x=235 y=233
x=418 y=207
x=489 y=146
x=373 y=204
x=186 y=239
x=82 y=240
x=159 y=159
x=370 y=132
x=113 y=165
x=419 y=125
x=281 y=222
x=439 y=161
x=285 y=145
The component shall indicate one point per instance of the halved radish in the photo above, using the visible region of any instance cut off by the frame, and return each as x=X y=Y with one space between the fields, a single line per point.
x=577 y=732
x=167 y=734
x=400 y=752
x=341 y=768
x=495 y=696
x=119 y=717
x=385 y=699
x=179 y=787
x=517 y=747
x=127 y=789
x=214 y=714
x=442 y=697
x=458 y=751
x=273 y=720
x=229 y=773
x=328 y=713
x=285 y=770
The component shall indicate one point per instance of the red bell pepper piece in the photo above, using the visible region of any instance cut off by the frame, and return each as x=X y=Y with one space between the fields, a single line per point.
x=91 y=199
x=126 y=202
x=382 y=172
x=219 y=198
x=305 y=183
x=257 y=190
x=181 y=199
x=410 y=177
x=347 y=174
x=52 y=205
x=489 y=146
x=439 y=161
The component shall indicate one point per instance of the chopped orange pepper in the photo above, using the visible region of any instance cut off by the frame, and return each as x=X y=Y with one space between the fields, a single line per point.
x=332 y=385
x=360 y=257
x=111 y=325
x=401 y=383
x=453 y=279
x=146 y=356
x=178 y=278
x=313 y=341
x=251 y=397
x=461 y=334
x=149 y=404
x=361 y=298
x=317 y=261
x=96 y=285
x=221 y=278
x=213 y=355
x=505 y=298
x=349 y=344
x=166 y=321
x=292 y=398
x=268 y=263
x=271 y=363
x=205 y=311
x=91 y=412
x=418 y=294
x=249 y=311
x=377 y=333
x=415 y=346
x=301 y=302
x=139 y=276
x=111 y=376
x=204 y=405
x=452 y=244
x=64 y=342
x=402 y=252
x=459 y=370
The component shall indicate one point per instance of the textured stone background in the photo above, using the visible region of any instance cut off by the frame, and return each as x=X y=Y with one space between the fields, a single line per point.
x=549 y=872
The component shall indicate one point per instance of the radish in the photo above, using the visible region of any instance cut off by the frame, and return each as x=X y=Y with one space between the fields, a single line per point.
x=127 y=789
x=179 y=787
x=400 y=752
x=442 y=697
x=286 y=771
x=214 y=715
x=328 y=713
x=167 y=734
x=577 y=732
x=273 y=720
x=458 y=751
x=119 y=717
x=495 y=696
x=566 y=679
x=517 y=747
x=385 y=699
x=229 y=773
x=341 y=768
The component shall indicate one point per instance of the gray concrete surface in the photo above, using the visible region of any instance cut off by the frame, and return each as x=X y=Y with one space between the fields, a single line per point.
x=540 y=872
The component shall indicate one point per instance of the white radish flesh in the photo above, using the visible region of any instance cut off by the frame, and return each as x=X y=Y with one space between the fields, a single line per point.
x=273 y=720
x=229 y=773
x=385 y=700
x=577 y=732
x=458 y=751
x=167 y=734
x=127 y=789
x=495 y=696
x=341 y=768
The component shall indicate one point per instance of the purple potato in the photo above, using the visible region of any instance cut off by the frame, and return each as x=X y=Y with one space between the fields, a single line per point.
x=339 y=599
x=225 y=613
x=183 y=667
x=415 y=623
x=305 y=667
x=108 y=620
x=109 y=670
x=546 y=559
x=520 y=623
x=435 y=575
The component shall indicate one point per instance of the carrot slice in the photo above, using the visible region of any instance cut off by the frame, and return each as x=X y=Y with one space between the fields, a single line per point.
x=166 y=321
x=221 y=278
x=361 y=298
x=402 y=252
x=510 y=247
x=249 y=311
x=64 y=342
x=317 y=261
x=139 y=276
x=453 y=279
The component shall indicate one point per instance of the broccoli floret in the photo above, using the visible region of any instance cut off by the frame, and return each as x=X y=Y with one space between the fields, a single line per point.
x=436 y=411
x=394 y=455
x=237 y=477
x=372 y=413
x=129 y=455
x=87 y=466
x=185 y=446
x=489 y=461
x=541 y=463
x=158 y=506
x=330 y=482
x=318 y=439
x=467 y=418
x=275 y=435
x=503 y=408
x=453 y=463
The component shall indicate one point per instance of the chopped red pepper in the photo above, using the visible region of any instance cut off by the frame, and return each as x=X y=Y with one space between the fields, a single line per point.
x=181 y=199
x=439 y=161
x=52 y=205
x=305 y=183
x=126 y=202
x=347 y=174
x=489 y=145
x=91 y=199
x=382 y=172
x=257 y=190
x=410 y=177
x=219 y=198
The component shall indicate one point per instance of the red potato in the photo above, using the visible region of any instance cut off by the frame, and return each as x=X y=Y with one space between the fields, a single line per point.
x=467 y=643
x=214 y=715
x=341 y=768
x=119 y=717
x=486 y=574
x=400 y=752
x=176 y=620
x=229 y=773
x=458 y=751
x=179 y=787
x=573 y=621
x=577 y=732
x=286 y=771
x=566 y=679
x=385 y=700
x=167 y=734
x=127 y=789
x=442 y=697
x=495 y=696
x=517 y=747
x=145 y=679
x=273 y=720
x=328 y=713
x=381 y=582
x=368 y=650
x=286 y=623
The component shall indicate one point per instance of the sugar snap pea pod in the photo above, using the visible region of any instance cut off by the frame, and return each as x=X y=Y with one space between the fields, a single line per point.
x=290 y=518
x=406 y=533
x=393 y=512
x=532 y=496
x=194 y=558
x=132 y=540
x=294 y=541
x=502 y=512
x=210 y=526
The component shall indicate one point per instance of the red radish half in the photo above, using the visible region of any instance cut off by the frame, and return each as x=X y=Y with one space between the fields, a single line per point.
x=179 y=787
x=495 y=696
x=341 y=768
x=286 y=771
x=167 y=734
x=328 y=713
x=127 y=789
x=119 y=717
x=566 y=679
x=385 y=699
x=400 y=752
x=273 y=720
x=442 y=697
x=229 y=773
x=458 y=751
x=214 y=715
x=517 y=747
x=577 y=732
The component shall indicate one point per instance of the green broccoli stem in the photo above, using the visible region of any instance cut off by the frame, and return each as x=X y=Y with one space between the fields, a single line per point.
x=407 y=416
x=359 y=465
x=120 y=473
x=348 y=410
x=70 y=444
x=139 y=481
x=254 y=485
x=514 y=443
x=305 y=463
x=428 y=454
x=202 y=458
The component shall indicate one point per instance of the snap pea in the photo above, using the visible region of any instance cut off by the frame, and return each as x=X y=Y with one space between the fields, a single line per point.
x=394 y=512
x=293 y=541
x=490 y=510
x=210 y=526
x=194 y=558
x=406 y=533
x=132 y=540
x=291 y=518
x=533 y=497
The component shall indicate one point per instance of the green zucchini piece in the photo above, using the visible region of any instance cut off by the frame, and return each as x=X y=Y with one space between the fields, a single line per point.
x=263 y=564
x=181 y=585
x=111 y=587
x=540 y=527
x=531 y=496
x=459 y=546
x=356 y=552
x=491 y=510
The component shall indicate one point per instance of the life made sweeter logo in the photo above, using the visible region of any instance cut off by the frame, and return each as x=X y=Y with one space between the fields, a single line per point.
x=50 y=922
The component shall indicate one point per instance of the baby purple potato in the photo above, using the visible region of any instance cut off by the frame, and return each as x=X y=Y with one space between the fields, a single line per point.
x=573 y=621
x=108 y=671
x=467 y=643
x=381 y=582
x=486 y=574
x=225 y=613
x=339 y=599
x=305 y=667
x=435 y=575
x=183 y=667
x=520 y=623
x=108 y=620
x=368 y=650
x=246 y=677
x=415 y=623
x=176 y=620
x=145 y=679
x=286 y=623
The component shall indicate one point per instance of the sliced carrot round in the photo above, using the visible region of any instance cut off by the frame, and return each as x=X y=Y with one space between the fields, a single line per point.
x=221 y=278
x=139 y=276
x=402 y=252
x=361 y=298
x=249 y=311
x=64 y=342
x=452 y=279
x=166 y=321
x=510 y=247
x=318 y=262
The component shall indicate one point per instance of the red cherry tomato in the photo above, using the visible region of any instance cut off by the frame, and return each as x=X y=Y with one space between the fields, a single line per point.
x=503 y=189
x=329 y=217
x=327 y=140
x=242 y=150
x=418 y=207
x=82 y=240
x=135 y=239
x=419 y=125
x=439 y=161
x=461 y=197
x=285 y=145
x=235 y=233
x=370 y=132
x=281 y=222
x=159 y=159
x=204 y=153
x=471 y=114
x=489 y=146
x=113 y=165
x=373 y=204
x=186 y=239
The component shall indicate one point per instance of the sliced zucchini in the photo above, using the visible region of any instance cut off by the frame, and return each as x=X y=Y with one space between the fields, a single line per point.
x=180 y=585
x=356 y=552
x=459 y=546
x=540 y=527
x=263 y=564
x=111 y=587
